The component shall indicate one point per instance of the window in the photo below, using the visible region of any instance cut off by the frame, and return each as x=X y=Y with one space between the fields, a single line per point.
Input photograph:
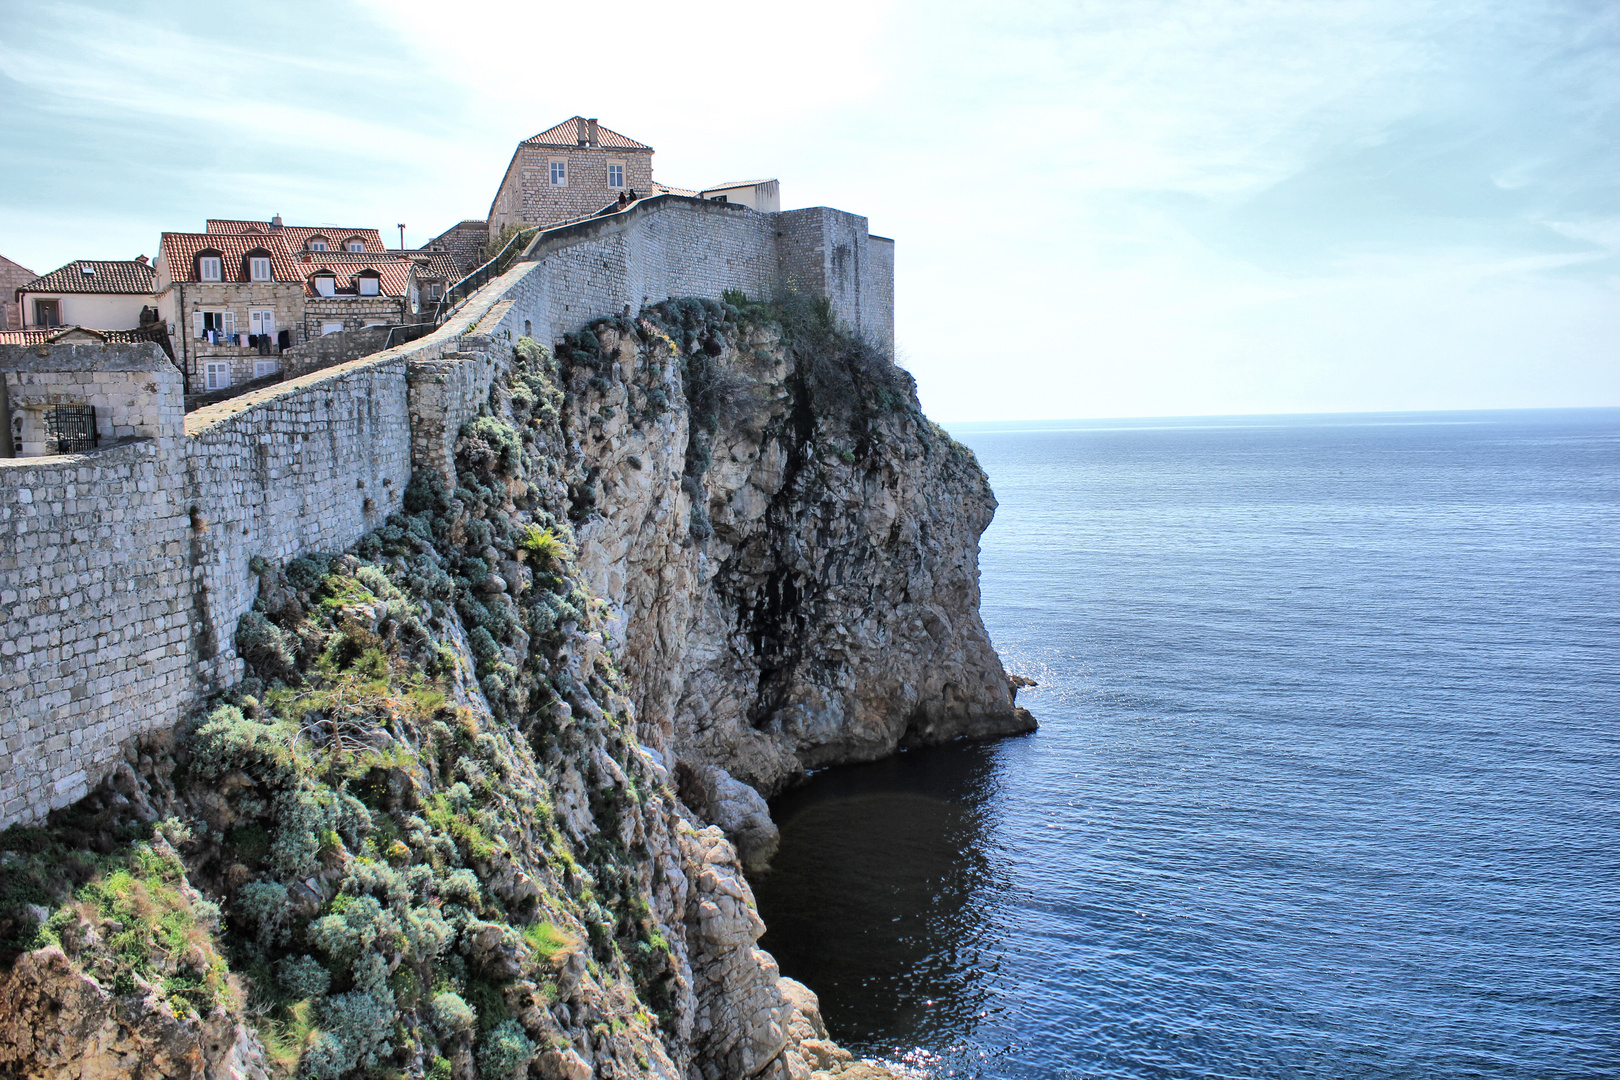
x=355 y=245
x=261 y=321
x=216 y=376
x=259 y=268
x=47 y=313
x=261 y=368
x=214 y=325
x=325 y=285
x=330 y=328
x=559 y=173
x=368 y=285
x=208 y=267
x=317 y=245
x=615 y=175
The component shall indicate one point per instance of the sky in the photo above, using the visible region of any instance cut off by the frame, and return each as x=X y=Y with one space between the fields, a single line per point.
x=1101 y=209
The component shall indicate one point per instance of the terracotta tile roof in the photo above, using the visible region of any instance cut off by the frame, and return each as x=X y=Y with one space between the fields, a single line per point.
x=29 y=337
x=180 y=254
x=298 y=236
x=344 y=265
x=46 y=335
x=665 y=189
x=435 y=264
x=571 y=131
x=121 y=276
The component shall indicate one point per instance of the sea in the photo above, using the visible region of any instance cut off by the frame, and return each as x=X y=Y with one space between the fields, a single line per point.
x=1327 y=782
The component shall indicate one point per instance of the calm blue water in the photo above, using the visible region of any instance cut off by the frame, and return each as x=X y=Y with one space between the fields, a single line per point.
x=1328 y=782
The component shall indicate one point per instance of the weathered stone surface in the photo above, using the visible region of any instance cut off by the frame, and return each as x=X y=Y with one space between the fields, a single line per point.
x=60 y=1024
x=832 y=616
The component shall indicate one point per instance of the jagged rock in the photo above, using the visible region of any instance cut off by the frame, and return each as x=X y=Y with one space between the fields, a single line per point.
x=738 y=809
x=60 y=1024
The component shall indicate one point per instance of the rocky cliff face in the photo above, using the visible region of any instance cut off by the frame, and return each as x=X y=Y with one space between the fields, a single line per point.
x=469 y=815
x=792 y=560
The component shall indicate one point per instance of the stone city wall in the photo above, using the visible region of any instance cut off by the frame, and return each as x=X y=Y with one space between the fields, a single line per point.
x=124 y=572
x=671 y=246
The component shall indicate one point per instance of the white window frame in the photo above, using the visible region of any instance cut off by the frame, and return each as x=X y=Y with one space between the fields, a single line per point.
x=368 y=285
x=330 y=327
x=325 y=285
x=216 y=375
x=225 y=322
x=259 y=268
x=557 y=172
x=317 y=245
x=262 y=321
x=355 y=245
x=210 y=268
x=261 y=368
x=615 y=167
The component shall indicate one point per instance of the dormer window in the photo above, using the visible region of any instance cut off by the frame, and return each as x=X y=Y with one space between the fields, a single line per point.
x=325 y=284
x=209 y=267
x=317 y=243
x=368 y=284
x=259 y=268
x=354 y=244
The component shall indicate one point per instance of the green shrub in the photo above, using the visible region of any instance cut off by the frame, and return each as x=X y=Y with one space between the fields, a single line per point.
x=452 y=1015
x=505 y=1050
x=543 y=546
x=267 y=647
x=263 y=907
x=227 y=742
x=303 y=976
x=548 y=942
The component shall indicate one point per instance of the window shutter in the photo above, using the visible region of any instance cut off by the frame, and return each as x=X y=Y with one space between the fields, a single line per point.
x=230 y=322
x=196 y=324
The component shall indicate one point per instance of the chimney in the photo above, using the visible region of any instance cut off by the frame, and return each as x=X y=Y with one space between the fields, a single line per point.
x=581 y=136
x=141 y=259
x=592 y=122
x=275 y=222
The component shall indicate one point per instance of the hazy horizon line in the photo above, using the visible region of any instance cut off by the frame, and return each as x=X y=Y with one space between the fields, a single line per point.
x=1085 y=421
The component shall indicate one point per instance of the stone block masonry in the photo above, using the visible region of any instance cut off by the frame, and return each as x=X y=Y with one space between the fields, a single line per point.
x=671 y=245
x=124 y=572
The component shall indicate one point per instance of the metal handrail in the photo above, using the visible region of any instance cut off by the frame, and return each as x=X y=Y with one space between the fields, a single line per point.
x=483 y=275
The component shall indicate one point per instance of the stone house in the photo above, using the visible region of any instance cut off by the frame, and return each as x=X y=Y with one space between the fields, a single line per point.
x=231 y=302
x=12 y=275
x=569 y=171
x=348 y=290
x=103 y=294
x=463 y=242
x=431 y=275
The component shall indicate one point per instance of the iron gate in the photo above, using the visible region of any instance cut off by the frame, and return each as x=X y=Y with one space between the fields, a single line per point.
x=70 y=429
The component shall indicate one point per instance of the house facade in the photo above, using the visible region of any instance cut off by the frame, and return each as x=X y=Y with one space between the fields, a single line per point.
x=12 y=276
x=231 y=301
x=569 y=171
x=103 y=294
x=346 y=290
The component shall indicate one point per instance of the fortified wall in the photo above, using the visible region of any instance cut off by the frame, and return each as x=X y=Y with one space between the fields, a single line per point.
x=124 y=570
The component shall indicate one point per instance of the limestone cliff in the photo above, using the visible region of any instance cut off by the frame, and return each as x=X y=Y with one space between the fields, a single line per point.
x=792 y=560
x=468 y=815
